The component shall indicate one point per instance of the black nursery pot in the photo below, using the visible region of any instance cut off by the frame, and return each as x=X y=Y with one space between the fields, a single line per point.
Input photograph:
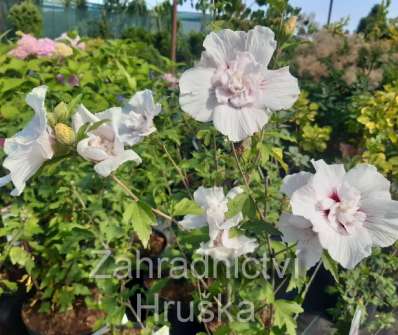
x=178 y=327
x=11 y=322
x=318 y=300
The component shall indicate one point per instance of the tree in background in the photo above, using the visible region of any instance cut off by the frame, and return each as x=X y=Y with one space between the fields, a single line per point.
x=26 y=17
x=375 y=25
x=137 y=7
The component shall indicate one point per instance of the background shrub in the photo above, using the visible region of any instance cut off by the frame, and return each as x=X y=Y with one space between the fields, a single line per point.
x=26 y=17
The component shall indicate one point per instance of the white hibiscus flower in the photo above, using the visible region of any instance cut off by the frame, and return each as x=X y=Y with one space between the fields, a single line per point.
x=215 y=205
x=226 y=247
x=232 y=86
x=136 y=120
x=103 y=145
x=222 y=245
x=30 y=148
x=349 y=211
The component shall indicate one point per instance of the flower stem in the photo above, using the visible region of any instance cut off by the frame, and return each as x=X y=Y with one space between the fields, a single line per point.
x=246 y=181
x=136 y=199
x=178 y=169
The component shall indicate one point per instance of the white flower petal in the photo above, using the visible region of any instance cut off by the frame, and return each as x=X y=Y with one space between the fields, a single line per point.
x=193 y=222
x=35 y=99
x=89 y=152
x=297 y=229
x=223 y=45
x=23 y=164
x=81 y=117
x=234 y=192
x=137 y=116
x=303 y=202
x=261 y=43
x=279 y=89
x=293 y=182
x=239 y=245
x=238 y=124
x=197 y=97
x=219 y=253
x=142 y=102
x=356 y=322
x=381 y=220
x=348 y=250
x=30 y=148
x=366 y=179
x=206 y=197
x=36 y=127
x=112 y=114
x=5 y=180
x=106 y=167
x=327 y=177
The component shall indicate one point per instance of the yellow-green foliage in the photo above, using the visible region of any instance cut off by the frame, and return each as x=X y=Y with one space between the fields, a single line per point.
x=311 y=137
x=379 y=116
x=315 y=138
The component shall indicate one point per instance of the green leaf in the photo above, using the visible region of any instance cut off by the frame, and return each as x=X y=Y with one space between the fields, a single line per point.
x=236 y=204
x=9 y=285
x=284 y=315
x=330 y=265
x=142 y=218
x=32 y=227
x=96 y=125
x=265 y=152
x=8 y=84
x=278 y=155
x=82 y=132
x=9 y=111
x=130 y=80
x=21 y=257
x=186 y=206
x=74 y=103
x=259 y=227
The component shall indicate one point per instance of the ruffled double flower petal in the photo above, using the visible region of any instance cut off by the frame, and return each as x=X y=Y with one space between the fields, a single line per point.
x=232 y=86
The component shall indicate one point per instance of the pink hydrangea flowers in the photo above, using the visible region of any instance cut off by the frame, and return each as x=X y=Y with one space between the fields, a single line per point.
x=29 y=45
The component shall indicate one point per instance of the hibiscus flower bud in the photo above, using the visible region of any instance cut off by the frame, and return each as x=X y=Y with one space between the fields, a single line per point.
x=64 y=134
x=290 y=25
x=61 y=112
x=2 y=141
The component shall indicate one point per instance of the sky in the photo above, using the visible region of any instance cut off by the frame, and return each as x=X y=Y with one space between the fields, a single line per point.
x=356 y=9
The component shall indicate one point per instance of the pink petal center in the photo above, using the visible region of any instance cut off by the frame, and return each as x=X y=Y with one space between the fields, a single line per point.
x=237 y=82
